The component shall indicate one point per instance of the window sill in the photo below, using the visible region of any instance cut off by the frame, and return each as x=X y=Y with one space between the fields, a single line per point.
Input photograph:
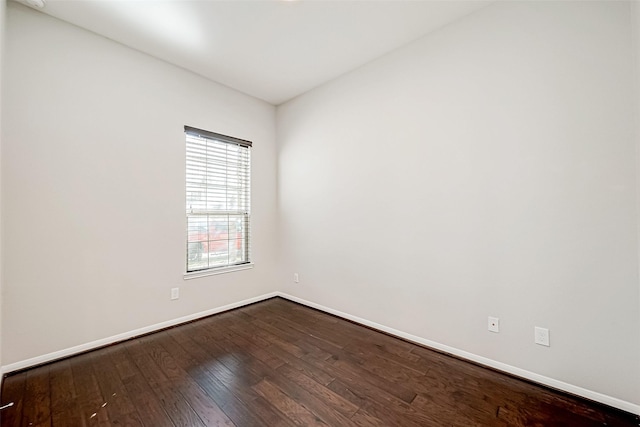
x=214 y=271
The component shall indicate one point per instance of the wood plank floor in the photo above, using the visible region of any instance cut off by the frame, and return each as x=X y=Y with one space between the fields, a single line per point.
x=277 y=363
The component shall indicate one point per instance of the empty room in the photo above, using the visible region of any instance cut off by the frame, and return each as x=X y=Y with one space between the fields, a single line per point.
x=319 y=213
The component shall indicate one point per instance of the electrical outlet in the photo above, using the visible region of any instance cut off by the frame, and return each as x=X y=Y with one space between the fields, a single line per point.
x=296 y=278
x=541 y=336
x=175 y=293
x=493 y=324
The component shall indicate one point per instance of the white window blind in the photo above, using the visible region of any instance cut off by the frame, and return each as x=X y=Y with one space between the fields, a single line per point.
x=218 y=188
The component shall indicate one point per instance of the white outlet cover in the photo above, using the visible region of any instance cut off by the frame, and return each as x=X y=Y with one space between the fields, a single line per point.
x=175 y=293
x=493 y=324
x=541 y=336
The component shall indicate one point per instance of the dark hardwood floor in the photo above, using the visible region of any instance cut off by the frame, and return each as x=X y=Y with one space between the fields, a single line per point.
x=277 y=363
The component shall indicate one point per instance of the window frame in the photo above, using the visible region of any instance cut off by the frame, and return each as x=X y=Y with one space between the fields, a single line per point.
x=243 y=191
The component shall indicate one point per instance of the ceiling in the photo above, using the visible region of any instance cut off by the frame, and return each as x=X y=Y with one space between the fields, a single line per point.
x=274 y=50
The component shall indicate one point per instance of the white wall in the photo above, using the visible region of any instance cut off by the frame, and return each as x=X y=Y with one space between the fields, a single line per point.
x=635 y=23
x=93 y=187
x=636 y=50
x=485 y=170
x=3 y=5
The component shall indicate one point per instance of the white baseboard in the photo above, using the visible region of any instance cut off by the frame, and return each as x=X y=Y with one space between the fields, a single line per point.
x=540 y=379
x=34 y=361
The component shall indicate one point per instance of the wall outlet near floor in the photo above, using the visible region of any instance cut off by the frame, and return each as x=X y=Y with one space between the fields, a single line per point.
x=296 y=278
x=541 y=336
x=175 y=293
x=493 y=324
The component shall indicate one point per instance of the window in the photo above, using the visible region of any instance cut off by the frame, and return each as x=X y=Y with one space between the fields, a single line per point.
x=218 y=200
